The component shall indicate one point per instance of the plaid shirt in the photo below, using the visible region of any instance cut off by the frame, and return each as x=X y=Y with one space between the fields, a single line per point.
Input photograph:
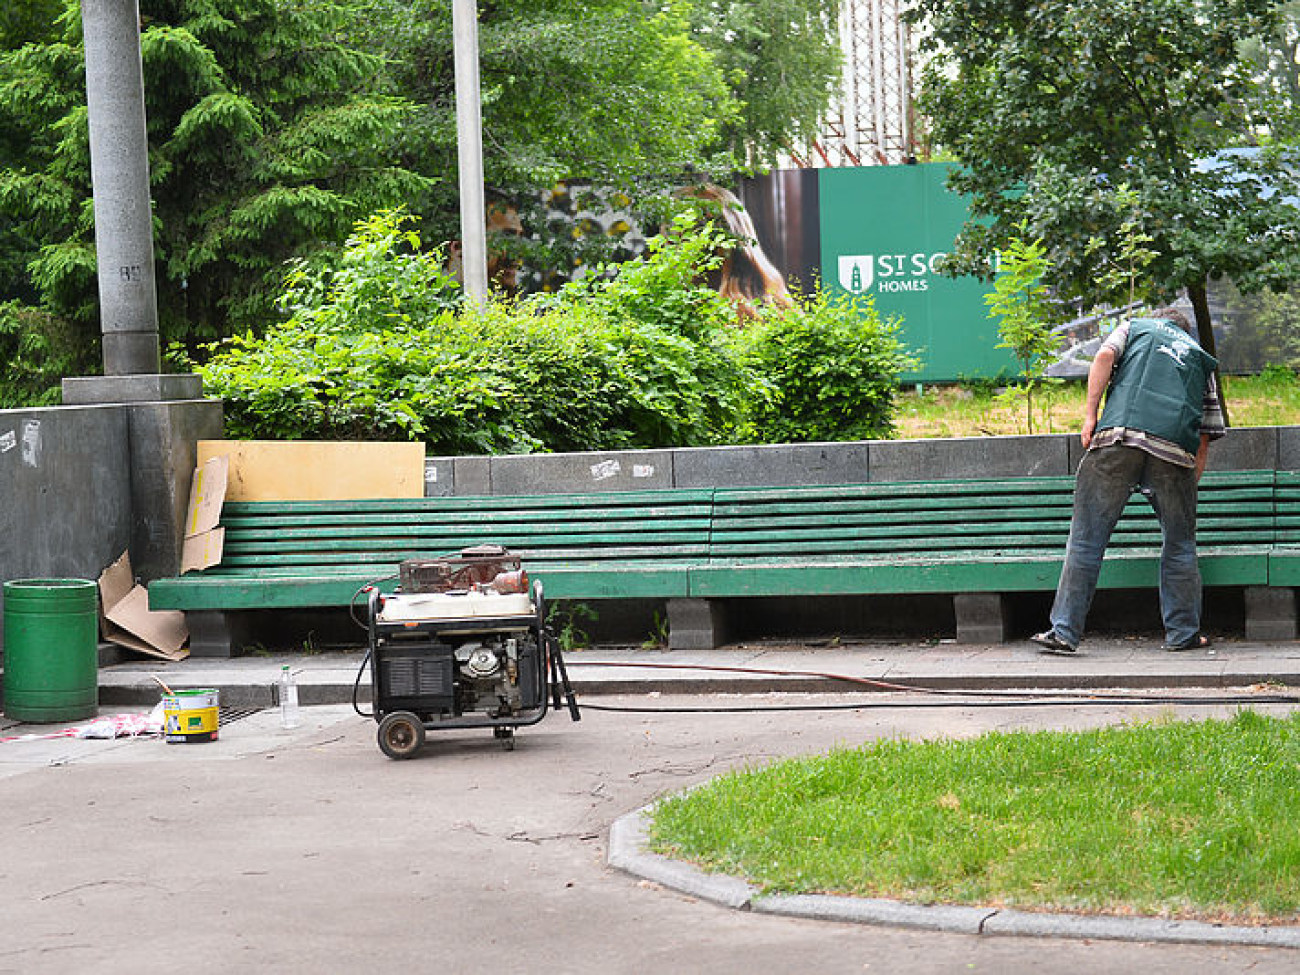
x=1212 y=424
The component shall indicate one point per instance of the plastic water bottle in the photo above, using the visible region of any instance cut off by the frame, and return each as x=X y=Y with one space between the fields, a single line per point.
x=289 y=717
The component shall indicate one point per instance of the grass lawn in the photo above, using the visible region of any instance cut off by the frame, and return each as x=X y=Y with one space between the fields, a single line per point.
x=1272 y=399
x=1171 y=819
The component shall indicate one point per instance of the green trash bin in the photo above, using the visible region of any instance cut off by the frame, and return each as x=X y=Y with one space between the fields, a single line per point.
x=51 y=650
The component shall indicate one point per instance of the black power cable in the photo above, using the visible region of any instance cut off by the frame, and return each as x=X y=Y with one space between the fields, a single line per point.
x=981 y=699
x=352 y=611
x=908 y=705
x=969 y=699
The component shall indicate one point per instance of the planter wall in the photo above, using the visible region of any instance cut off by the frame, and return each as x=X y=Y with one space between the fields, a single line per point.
x=1245 y=448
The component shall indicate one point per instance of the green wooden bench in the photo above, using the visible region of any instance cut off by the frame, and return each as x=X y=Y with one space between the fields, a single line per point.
x=1273 y=610
x=977 y=540
x=290 y=555
x=706 y=551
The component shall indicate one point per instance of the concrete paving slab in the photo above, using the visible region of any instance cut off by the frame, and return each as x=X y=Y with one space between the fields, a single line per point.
x=252 y=734
x=329 y=678
x=314 y=852
x=1114 y=676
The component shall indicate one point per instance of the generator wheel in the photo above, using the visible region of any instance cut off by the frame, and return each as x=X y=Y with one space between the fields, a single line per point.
x=401 y=734
x=506 y=736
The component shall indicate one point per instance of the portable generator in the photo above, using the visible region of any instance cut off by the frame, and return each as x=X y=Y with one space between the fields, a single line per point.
x=462 y=643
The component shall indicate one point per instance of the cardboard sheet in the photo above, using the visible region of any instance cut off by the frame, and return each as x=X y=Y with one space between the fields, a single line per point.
x=203 y=537
x=318 y=470
x=201 y=551
x=128 y=621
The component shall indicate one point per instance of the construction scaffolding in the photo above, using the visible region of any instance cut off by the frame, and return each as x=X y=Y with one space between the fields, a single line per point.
x=871 y=123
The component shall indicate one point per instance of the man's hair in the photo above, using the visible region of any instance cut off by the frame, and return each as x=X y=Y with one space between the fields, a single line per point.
x=1172 y=314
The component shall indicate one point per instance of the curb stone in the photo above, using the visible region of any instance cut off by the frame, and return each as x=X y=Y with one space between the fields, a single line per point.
x=628 y=851
x=628 y=842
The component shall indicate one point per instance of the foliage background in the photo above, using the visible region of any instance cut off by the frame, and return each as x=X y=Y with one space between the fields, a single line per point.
x=267 y=139
x=644 y=355
x=275 y=124
x=1052 y=107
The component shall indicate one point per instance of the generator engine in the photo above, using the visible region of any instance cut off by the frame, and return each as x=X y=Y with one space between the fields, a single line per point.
x=489 y=676
x=462 y=643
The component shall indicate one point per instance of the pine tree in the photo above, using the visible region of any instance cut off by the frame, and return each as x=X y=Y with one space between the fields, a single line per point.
x=266 y=140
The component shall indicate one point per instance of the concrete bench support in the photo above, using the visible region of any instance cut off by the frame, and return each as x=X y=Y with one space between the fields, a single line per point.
x=1270 y=613
x=216 y=633
x=696 y=624
x=981 y=617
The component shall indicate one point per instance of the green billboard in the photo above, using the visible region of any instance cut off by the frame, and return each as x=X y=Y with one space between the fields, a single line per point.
x=884 y=230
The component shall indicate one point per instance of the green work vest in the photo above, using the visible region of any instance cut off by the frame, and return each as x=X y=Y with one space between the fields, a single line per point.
x=1158 y=385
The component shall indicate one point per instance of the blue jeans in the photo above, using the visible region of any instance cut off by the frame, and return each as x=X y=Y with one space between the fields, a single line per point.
x=1106 y=478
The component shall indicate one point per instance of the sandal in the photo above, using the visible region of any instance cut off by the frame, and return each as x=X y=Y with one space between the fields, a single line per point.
x=1198 y=642
x=1049 y=642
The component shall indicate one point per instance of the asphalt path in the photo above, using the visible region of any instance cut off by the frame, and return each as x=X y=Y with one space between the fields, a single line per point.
x=309 y=851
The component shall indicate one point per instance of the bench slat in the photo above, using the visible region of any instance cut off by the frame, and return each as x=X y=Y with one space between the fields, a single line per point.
x=594 y=554
x=1019 y=572
x=692 y=514
x=479 y=504
x=382 y=527
x=324 y=544
x=307 y=591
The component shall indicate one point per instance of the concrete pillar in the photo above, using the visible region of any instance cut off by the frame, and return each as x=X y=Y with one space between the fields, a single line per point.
x=469 y=142
x=981 y=617
x=1270 y=613
x=696 y=624
x=119 y=170
x=214 y=633
x=165 y=420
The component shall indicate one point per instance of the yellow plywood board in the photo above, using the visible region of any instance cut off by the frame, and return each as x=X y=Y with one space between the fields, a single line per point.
x=318 y=470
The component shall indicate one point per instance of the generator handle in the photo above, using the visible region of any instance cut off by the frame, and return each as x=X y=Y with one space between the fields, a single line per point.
x=372 y=611
x=539 y=601
x=557 y=674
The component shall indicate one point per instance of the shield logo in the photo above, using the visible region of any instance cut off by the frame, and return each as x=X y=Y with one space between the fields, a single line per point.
x=857 y=272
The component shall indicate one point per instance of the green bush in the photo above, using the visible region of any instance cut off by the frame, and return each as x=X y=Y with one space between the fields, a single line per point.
x=381 y=280
x=667 y=337
x=642 y=354
x=834 y=364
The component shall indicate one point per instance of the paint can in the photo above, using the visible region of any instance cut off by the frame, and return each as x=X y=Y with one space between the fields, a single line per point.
x=191 y=716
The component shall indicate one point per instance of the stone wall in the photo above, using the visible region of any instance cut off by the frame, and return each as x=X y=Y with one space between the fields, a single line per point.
x=1246 y=448
x=83 y=484
x=66 y=481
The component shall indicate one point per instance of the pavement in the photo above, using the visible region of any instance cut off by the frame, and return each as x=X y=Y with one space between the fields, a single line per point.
x=329 y=678
x=306 y=850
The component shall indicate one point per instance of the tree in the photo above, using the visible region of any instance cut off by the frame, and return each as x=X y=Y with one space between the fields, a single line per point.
x=1023 y=307
x=622 y=95
x=1276 y=60
x=783 y=61
x=274 y=124
x=27 y=21
x=1265 y=330
x=266 y=140
x=604 y=90
x=1052 y=106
